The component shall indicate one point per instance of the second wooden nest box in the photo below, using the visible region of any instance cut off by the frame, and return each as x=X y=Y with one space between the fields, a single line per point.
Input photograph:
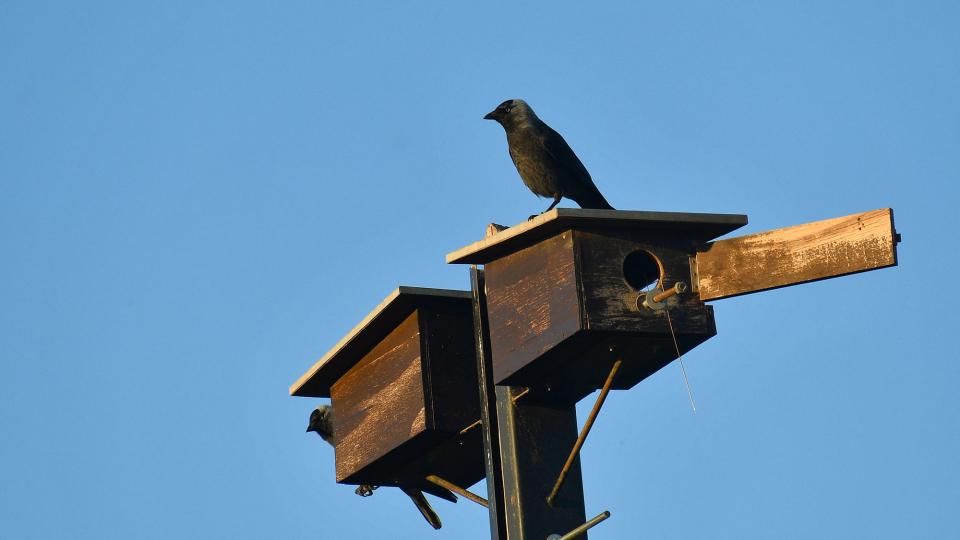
x=403 y=386
x=562 y=294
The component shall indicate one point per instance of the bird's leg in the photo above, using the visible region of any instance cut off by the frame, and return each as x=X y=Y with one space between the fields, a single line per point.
x=556 y=200
x=365 y=490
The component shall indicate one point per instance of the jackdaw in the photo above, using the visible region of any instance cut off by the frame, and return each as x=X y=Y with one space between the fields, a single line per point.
x=321 y=422
x=544 y=160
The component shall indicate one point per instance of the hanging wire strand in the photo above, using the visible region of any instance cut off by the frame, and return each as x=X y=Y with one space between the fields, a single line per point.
x=683 y=370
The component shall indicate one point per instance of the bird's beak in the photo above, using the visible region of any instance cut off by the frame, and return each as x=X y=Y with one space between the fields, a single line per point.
x=490 y=116
x=311 y=428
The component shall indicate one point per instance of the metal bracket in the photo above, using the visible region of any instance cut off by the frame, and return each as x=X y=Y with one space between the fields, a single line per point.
x=694 y=275
x=657 y=300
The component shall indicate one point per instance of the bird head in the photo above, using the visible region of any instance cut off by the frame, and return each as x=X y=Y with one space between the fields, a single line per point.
x=321 y=422
x=512 y=113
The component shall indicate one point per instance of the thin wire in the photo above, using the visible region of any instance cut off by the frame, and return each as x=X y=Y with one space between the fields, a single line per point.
x=683 y=370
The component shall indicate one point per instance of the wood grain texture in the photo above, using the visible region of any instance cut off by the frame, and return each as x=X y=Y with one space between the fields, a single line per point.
x=561 y=312
x=316 y=381
x=696 y=226
x=379 y=404
x=798 y=254
x=532 y=302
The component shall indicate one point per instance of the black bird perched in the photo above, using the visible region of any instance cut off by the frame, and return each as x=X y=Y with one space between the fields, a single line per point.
x=545 y=161
x=321 y=422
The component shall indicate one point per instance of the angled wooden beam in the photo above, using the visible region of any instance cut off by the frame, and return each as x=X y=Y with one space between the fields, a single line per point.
x=793 y=255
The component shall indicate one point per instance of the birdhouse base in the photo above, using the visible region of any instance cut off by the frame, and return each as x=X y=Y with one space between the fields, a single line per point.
x=453 y=459
x=580 y=364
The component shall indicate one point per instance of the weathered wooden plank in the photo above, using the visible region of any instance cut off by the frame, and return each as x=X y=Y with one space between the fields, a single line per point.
x=697 y=226
x=532 y=303
x=379 y=403
x=798 y=254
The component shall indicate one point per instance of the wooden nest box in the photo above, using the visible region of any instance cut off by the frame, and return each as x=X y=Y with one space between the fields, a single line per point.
x=403 y=384
x=565 y=295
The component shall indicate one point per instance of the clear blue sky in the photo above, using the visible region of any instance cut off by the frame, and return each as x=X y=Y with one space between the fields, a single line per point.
x=198 y=199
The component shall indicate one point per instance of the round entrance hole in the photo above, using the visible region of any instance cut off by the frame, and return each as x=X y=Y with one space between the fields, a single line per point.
x=641 y=269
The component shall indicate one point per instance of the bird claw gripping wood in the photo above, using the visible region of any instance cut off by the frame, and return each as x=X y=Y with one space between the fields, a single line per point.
x=365 y=490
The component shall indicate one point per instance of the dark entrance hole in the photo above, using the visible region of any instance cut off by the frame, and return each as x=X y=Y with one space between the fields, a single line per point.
x=641 y=269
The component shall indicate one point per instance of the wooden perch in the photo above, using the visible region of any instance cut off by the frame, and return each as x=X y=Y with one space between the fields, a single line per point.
x=799 y=254
x=458 y=490
x=584 y=432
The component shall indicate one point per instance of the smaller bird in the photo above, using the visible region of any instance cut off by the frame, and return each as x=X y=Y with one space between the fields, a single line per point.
x=546 y=163
x=321 y=422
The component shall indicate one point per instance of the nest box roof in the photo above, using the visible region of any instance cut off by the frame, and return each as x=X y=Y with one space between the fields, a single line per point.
x=372 y=329
x=697 y=227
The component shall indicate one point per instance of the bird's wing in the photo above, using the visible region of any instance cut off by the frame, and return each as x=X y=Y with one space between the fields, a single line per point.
x=560 y=152
x=423 y=506
x=578 y=185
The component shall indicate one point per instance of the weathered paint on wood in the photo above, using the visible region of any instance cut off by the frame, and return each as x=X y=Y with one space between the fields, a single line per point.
x=379 y=403
x=532 y=302
x=561 y=311
x=798 y=254
x=610 y=303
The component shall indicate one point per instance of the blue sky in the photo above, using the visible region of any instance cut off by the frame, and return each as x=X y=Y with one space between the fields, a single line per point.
x=198 y=199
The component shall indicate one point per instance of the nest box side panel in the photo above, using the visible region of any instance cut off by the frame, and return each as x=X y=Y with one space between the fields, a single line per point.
x=639 y=335
x=532 y=303
x=609 y=299
x=452 y=400
x=449 y=366
x=379 y=403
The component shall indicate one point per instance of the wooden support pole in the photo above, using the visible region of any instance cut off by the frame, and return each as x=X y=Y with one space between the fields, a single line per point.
x=458 y=490
x=584 y=432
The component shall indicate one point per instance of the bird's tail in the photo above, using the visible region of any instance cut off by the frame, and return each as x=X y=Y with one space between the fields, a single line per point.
x=592 y=199
x=423 y=506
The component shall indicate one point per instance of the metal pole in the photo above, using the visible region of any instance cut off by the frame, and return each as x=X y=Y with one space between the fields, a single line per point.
x=488 y=409
x=526 y=441
x=536 y=434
